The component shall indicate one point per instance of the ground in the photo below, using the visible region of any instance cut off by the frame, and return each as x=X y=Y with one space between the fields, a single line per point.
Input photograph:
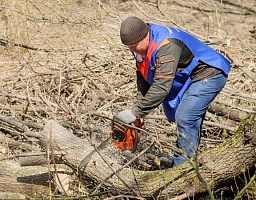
x=64 y=59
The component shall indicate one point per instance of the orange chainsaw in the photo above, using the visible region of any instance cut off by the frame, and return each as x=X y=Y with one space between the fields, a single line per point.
x=124 y=137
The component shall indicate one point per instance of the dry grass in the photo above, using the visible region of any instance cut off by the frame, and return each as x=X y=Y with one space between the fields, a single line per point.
x=64 y=60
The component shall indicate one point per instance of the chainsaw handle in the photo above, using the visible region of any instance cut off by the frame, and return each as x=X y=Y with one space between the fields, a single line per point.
x=138 y=123
x=136 y=141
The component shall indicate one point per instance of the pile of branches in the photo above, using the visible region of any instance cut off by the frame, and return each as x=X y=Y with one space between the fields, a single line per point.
x=78 y=89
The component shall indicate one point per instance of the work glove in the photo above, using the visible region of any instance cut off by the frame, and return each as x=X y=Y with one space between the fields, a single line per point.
x=126 y=116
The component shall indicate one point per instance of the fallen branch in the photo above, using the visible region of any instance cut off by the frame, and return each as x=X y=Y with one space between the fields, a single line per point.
x=217 y=166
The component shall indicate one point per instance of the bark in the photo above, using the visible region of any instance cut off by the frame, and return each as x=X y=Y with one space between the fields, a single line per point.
x=34 y=161
x=29 y=181
x=222 y=110
x=54 y=137
x=20 y=185
x=216 y=166
x=16 y=144
x=36 y=181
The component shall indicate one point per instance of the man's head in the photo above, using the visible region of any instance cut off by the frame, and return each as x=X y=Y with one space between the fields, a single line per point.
x=134 y=33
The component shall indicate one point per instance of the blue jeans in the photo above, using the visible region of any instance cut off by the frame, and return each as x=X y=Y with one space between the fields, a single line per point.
x=190 y=114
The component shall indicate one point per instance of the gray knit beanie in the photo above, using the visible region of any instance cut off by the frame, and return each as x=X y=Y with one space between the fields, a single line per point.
x=133 y=30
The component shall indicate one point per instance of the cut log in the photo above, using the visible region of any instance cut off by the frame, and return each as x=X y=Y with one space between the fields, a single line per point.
x=29 y=181
x=36 y=181
x=216 y=166
x=16 y=144
x=223 y=110
x=19 y=185
x=33 y=160
x=54 y=136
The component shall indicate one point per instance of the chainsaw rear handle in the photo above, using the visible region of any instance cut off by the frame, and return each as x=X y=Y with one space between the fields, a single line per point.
x=136 y=140
x=138 y=123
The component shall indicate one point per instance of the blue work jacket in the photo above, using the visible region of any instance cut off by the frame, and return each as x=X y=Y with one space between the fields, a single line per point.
x=182 y=80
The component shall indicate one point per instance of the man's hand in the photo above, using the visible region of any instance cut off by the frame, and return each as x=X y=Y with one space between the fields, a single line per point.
x=126 y=116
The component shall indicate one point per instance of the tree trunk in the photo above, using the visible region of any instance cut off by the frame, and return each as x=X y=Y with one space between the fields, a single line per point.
x=216 y=166
x=29 y=181
x=19 y=185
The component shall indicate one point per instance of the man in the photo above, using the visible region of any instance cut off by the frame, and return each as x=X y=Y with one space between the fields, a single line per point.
x=178 y=71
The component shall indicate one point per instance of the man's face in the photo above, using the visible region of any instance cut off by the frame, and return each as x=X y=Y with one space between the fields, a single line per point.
x=140 y=47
